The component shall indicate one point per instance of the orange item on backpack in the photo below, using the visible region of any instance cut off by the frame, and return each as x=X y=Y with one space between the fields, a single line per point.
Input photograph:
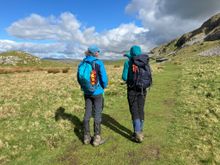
x=93 y=77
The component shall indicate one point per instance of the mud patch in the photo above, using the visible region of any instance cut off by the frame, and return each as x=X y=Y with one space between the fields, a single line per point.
x=69 y=156
x=149 y=152
x=169 y=102
x=152 y=152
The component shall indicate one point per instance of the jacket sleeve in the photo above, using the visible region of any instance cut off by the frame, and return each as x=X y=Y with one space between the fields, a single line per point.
x=78 y=73
x=103 y=75
x=125 y=71
x=78 y=77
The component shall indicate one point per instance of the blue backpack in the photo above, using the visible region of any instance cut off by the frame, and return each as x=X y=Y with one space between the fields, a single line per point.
x=88 y=76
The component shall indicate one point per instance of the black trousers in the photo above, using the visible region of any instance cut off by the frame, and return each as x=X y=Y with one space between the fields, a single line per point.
x=136 y=100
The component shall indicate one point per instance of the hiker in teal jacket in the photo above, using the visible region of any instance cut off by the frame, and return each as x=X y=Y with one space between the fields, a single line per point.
x=126 y=66
x=94 y=100
x=136 y=97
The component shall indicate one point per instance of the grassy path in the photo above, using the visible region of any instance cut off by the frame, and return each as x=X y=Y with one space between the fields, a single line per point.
x=119 y=149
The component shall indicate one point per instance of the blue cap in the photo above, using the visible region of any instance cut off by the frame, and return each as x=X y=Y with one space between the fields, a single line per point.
x=93 y=49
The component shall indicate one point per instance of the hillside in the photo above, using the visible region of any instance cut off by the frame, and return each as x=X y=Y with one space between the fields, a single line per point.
x=21 y=61
x=209 y=31
x=18 y=58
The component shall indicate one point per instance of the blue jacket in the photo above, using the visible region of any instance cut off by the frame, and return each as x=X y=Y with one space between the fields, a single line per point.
x=103 y=79
x=134 y=51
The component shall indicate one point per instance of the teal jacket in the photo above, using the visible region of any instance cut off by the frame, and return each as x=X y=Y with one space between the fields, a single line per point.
x=134 y=51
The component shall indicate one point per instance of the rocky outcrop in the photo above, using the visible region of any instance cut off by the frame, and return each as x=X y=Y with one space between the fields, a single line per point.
x=209 y=31
x=9 y=60
x=211 y=52
x=18 y=58
x=214 y=35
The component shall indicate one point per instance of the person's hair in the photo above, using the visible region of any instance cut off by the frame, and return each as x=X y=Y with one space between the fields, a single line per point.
x=88 y=53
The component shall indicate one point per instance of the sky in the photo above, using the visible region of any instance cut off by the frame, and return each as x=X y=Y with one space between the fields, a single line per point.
x=66 y=28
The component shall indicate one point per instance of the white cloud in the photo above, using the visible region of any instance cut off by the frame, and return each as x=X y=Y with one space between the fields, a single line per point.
x=122 y=37
x=66 y=29
x=44 y=50
x=167 y=19
x=162 y=20
x=36 y=27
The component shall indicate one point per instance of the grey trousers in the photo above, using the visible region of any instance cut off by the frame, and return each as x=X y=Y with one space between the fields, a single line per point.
x=93 y=104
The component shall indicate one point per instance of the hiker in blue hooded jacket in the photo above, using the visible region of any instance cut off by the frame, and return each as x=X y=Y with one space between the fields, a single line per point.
x=93 y=98
x=136 y=95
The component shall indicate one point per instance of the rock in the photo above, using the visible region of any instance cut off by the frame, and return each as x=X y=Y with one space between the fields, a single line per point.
x=161 y=59
x=211 y=52
x=215 y=35
x=9 y=60
x=209 y=31
x=18 y=57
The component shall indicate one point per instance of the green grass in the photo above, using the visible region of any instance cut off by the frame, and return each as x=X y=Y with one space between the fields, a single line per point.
x=29 y=128
x=28 y=60
x=199 y=110
x=119 y=149
x=41 y=116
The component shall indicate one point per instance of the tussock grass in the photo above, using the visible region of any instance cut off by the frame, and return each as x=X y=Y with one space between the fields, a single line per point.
x=53 y=71
x=14 y=70
x=42 y=113
x=65 y=70
x=8 y=70
x=199 y=110
x=41 y=116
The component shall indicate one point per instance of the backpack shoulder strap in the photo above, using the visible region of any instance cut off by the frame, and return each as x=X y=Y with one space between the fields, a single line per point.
x=94 y=64
x=97 y=67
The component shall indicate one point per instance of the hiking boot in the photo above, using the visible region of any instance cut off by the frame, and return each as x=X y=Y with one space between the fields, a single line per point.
x=97 y=140
x=87 y=139
x=139 y=137
x=133 y=136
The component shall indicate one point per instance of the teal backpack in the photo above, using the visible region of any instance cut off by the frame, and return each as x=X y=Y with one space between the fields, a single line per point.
x=88 y=76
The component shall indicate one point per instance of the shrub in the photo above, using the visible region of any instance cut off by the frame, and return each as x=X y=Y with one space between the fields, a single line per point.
x=65 y=70
x=53 y=71
x=117 y=66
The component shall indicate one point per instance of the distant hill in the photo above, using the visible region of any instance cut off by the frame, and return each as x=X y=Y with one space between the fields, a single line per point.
x=209 y=31
x=18 y=58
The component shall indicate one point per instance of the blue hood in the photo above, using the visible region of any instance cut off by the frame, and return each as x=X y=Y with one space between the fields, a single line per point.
x=90 y=58
x=135 y=51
